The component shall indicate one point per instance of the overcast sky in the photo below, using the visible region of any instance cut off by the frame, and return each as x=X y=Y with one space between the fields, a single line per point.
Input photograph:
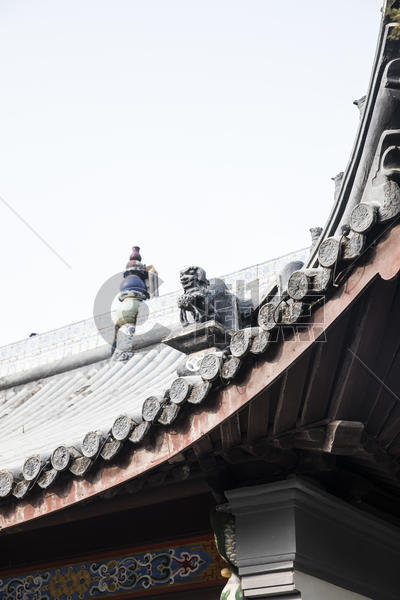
x=205 y=132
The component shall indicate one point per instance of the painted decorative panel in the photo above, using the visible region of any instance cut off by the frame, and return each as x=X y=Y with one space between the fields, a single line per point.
x=135 y=572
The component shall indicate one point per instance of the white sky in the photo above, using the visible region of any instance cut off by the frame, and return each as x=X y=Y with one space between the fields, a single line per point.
x=204 y=131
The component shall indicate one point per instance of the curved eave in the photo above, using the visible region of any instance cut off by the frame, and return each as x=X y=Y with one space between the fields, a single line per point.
x=377 y=116
x=385 y=263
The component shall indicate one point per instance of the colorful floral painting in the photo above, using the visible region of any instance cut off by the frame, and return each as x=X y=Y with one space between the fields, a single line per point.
x=191 y=563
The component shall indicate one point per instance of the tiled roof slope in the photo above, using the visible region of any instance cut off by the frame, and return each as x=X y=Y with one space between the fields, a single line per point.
x=37 y=417
x=41 y=414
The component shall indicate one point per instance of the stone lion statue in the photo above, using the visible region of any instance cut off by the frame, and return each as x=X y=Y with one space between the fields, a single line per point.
x=197 y=298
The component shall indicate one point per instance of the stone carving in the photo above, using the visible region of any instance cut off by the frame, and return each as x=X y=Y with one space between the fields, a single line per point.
x=381 y=198
x=240 y=342
x=122 y=427
x=346 y=247
x=62 y=457
x=91 y=444
x=196 y=299
x=308 y=282
x=390 y=206
x=152 y=408
x=6 y=483
x=250 y=339
x=298 y=285
x=210 y=367
x=209 y=312
x=329 y=252
x=181 y=388
x=266 y=316
x=32 y=467
x=363 y=217
x=285 y=274
x=203 y=300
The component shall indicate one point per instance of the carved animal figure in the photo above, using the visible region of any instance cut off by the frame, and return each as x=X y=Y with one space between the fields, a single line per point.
x=196 y=299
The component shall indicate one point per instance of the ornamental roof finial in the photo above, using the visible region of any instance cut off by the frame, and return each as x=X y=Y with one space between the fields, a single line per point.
x=135 y=257
x=139 y=283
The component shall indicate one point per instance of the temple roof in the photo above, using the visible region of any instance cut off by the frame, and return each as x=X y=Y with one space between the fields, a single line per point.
x=79 y=393
x=58 y=387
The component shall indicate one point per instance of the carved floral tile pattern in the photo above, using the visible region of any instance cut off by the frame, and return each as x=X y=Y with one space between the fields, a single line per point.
x=195 y=562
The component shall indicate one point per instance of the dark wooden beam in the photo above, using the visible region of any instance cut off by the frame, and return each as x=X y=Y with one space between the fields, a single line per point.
x=389 y=397
x=369 y=318
x=258 y=415
x=327 y=352
x=382 y=366
x=291 y=394
x=117 y=503
x=203 y=450
x=231 y=434
x=343 y=437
